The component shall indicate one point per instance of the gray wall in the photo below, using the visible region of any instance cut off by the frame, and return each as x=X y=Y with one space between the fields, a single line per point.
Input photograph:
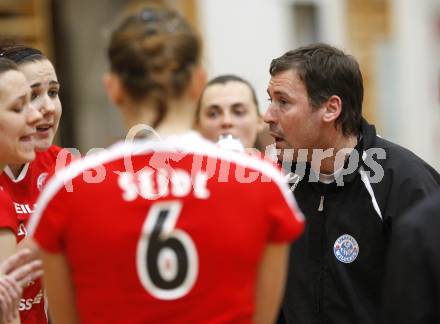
x=82 y=31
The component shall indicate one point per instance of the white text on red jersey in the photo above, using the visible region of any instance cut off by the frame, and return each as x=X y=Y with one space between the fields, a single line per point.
x=23 y=208
x=153 y=184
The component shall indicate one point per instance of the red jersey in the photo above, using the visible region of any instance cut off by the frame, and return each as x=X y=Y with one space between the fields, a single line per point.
x=8 y=220
x=24 y=191
x=173 y=233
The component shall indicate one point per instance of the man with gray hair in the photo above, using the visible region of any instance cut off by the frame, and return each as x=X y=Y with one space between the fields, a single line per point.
x=350 y=184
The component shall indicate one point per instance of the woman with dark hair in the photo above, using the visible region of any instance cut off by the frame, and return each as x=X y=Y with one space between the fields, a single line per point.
x=18 y=122
x=23 y=181
x=228 y=106
x=166 y=237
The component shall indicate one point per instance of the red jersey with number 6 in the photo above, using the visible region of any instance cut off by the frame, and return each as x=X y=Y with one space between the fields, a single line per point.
x=173 y=233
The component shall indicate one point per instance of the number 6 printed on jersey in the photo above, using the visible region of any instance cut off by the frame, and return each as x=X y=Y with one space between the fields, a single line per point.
x=166 y=258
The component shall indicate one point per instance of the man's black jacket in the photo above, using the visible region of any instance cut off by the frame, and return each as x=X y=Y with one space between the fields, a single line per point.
x=336 y=268
x=412 y=294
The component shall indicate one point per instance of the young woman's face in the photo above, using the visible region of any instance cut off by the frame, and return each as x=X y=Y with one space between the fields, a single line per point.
x=229 y=109
x=44 y=85
x=18 y=119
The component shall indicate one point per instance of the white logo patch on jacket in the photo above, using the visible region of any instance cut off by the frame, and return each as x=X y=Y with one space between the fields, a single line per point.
x=346 y=249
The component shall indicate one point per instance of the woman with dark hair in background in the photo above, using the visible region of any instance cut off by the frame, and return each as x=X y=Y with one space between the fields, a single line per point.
x=165 y=237
x=23 y=181
x=228 y=106
x=18 y=122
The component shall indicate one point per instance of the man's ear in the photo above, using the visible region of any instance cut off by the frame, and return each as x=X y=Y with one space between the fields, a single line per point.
x=332 y=109
x=114 y=88
x=198 y=82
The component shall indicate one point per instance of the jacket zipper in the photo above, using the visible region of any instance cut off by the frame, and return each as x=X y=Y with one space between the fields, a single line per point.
x=321 y=313
x=321 y=204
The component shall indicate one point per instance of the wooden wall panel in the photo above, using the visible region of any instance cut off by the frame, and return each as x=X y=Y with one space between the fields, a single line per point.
x=368 y=24
x=29 y=22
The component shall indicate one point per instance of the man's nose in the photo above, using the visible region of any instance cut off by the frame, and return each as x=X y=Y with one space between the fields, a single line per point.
x=269 y=116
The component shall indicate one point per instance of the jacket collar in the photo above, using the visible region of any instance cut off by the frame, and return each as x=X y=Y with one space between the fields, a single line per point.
x=366 y=140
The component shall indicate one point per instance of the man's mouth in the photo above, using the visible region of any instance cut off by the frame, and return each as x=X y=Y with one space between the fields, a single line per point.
x=276 y=137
